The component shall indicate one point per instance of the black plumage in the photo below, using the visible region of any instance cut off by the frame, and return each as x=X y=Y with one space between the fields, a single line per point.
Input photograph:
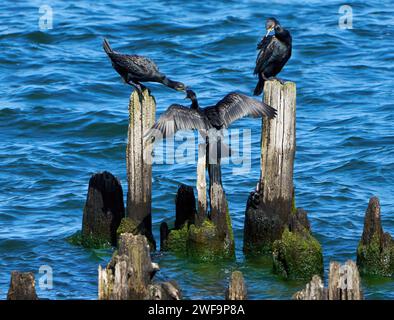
x=136 y=69
x=275 y=51
x=231 y=108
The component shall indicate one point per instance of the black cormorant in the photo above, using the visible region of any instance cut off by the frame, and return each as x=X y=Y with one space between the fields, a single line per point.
x=136 y=69
x=231 y=108
x=275 y=51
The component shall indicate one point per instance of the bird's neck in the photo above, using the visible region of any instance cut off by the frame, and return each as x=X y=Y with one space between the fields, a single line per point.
x=168 y=82
x=195 y=103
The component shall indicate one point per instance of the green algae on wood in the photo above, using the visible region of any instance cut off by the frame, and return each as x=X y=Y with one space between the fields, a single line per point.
x=206 y=240
x=297 y=256
x=199 y=243
x=88 y=241
x=128 y=225
x=375 y=252
x=204 y=243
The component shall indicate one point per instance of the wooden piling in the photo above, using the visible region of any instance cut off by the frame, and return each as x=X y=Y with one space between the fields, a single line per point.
x=139 y=164
x=314 y=290
x=236 y=288
x=129 y=274
x=201 y=184
x=266 y=223
x=22 y=286
x=103 y=211
x=343 y=284
x=375 y=252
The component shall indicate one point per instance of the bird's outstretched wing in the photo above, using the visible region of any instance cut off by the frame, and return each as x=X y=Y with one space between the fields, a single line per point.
x=236 y=105
x=178 y=117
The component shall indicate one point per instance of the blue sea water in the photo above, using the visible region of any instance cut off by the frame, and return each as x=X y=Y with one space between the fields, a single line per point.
x=63 y=116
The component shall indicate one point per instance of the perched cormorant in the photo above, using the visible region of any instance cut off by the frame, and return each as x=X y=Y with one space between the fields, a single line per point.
x=136 y=69
x=231 y=108
x=275 y=51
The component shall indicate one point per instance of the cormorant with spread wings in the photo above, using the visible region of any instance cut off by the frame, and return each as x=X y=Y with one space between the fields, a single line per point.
x=231 y=108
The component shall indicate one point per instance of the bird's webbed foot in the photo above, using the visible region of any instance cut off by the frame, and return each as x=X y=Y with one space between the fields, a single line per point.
x=281 y=81
x=139 y=87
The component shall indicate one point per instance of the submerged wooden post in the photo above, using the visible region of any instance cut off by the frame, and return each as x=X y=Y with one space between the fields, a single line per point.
x=139 y=164
x=236 y=289
x=375 y=252
x=22 y=286
x=103 y=211
x=266 y=223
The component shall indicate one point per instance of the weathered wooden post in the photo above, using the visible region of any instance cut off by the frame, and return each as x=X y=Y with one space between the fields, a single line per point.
x=375 y=252
x=270 y=210
x=236 y=289
x=266 y=224
x=128 y=276
x=139 y=167
x=22 y=286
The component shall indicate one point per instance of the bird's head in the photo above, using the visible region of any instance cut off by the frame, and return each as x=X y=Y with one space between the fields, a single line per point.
x=271 y=24
x=179 y=86
x=190 y=94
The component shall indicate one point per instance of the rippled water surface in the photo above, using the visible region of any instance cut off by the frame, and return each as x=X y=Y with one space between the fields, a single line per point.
x=63 y=116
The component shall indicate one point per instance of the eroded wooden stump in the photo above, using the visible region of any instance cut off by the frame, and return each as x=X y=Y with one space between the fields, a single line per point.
x=185 y=206
x=314 y=290
x=104 y=209
x=237 y=288
x=22 y=286
x=343 y=284
x=375 y=253
x=128 y=276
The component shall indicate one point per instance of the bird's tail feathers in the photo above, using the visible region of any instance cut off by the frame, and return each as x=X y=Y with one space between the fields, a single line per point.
x=107 y=48
x=259 y=87
x=218 y=149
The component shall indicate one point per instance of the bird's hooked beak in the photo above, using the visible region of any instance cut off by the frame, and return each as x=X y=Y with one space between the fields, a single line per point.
x=269 y=31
